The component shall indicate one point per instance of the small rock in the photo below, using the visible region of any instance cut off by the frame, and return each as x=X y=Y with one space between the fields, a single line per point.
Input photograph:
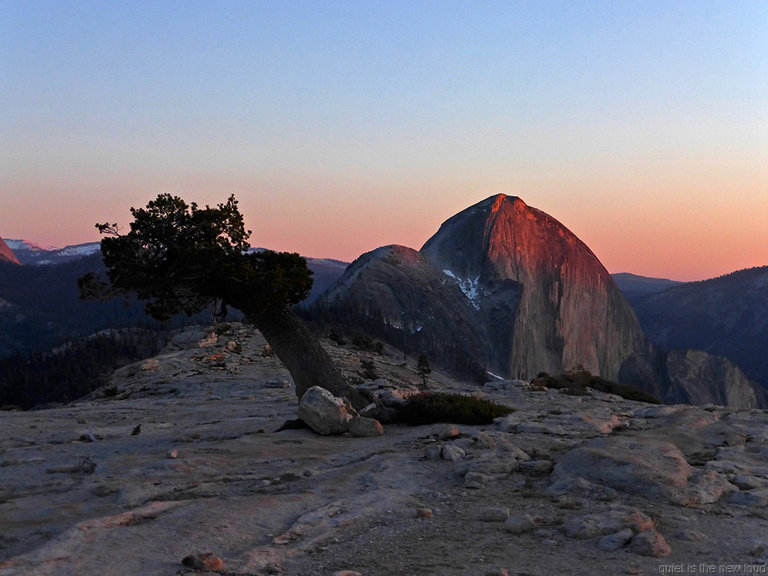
x=494 y=514
x=757 y=498
x=536 y=467
x=172 y=454
x=477 y=480
x=485 y=441
x=448 y=432
x=747 y=482
x=609 y=522
x=452 y=453
x=758 y=546
x=423 y=513
x=204 y=562
x=87 y=466
x=519 y=524
x=616 y=541
x=691 y=536
x=363 y=427
x=650 y=543
x=433 y=452
x=277 y=383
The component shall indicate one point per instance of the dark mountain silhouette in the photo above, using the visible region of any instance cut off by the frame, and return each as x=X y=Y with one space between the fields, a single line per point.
x=725 y=316
x=392 y=292
x=636 y=287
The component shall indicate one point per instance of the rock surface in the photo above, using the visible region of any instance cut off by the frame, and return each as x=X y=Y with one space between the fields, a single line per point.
x=569 y=310
x=325 y=413
x=80 y=494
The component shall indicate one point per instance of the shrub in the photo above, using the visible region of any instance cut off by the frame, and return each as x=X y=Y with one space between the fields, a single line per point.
x=576 y=381
x=432 y=407
x=369 y=369
x=364 y=342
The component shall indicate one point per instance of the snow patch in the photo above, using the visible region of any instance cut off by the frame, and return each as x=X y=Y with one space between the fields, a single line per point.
x=468 y=287
x=80 y=249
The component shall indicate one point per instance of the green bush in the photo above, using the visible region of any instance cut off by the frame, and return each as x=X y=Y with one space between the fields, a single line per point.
x=432 y=407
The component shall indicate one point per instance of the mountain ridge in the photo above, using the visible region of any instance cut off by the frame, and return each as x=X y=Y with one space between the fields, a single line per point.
x=533 y=293
x=7 y=254
x=562 y=281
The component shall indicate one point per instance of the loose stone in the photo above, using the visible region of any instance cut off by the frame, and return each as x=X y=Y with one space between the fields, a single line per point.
x=423 y=513
x=519 y=524
x=616 y=541
x=365 y=427
x=452 y=453
x=448 y=432
x=494 y=514
x=650 y=543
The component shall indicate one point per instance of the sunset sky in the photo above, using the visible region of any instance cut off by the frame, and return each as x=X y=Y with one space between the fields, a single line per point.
x=343 y=126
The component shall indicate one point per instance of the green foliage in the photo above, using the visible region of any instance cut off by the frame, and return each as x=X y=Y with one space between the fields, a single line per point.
x=577 y=380
x=179 y=257
x=432 y=407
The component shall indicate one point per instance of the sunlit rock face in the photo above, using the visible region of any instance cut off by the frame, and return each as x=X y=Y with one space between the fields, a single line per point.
x=501 y=283
x=567 y=308
x=6 y=254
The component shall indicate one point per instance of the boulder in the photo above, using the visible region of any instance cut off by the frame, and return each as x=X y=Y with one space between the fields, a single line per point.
x=325 y=413
x=648 y=467
x=650 y=543
x=364 y=427
x=611 y=521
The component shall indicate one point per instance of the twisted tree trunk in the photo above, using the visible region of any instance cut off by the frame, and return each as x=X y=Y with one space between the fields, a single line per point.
x=302 y=354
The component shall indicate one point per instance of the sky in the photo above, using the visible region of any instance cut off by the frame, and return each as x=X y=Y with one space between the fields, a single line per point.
x=343 y=126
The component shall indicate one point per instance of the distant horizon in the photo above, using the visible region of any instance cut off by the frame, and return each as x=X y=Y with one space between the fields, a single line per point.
x=344 y=126
x=344 y=261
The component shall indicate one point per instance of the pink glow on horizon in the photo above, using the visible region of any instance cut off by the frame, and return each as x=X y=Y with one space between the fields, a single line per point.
x=664 y=238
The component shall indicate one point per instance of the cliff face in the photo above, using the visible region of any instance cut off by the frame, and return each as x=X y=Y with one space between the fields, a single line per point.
x=6 y=254
x=501 y=282
x=727 y=316
x=392 y=292
x=699 y=378
x=569 y=310
x=507 y=288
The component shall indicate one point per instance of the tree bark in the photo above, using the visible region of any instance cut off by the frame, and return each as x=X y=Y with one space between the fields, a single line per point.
x=303 y=355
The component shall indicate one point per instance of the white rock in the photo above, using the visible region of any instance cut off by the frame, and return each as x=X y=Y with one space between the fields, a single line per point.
x=323 y=412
